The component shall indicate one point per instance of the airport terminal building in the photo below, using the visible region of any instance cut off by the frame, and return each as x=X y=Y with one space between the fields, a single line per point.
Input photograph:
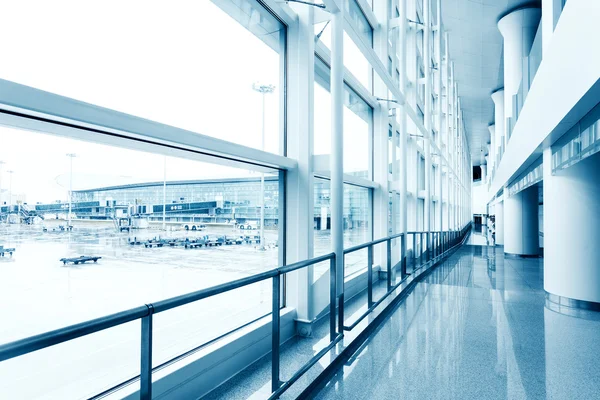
x=210 y=200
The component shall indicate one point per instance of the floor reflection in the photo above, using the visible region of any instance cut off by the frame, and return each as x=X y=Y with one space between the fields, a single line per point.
x=477 y=328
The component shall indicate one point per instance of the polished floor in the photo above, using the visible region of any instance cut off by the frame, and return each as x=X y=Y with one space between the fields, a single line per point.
x=478 y=327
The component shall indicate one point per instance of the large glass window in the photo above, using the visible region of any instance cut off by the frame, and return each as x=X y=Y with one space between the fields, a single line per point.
x=205 y=66
x=421 y=172
x=354 y=59
x=357 y=224
x=209 y=233
x=358 y=117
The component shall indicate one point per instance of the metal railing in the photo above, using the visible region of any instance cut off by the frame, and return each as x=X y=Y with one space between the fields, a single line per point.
x=146 y=312
x=438 y=244
x=433 y=245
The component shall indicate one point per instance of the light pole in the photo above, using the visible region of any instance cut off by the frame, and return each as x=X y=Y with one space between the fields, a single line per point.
x=10 y=172
x=264 y=90
x=164 y=193
x=1 y=164
x=71 y=157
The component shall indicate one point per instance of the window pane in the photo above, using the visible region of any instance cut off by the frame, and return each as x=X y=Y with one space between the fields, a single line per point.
x=357 y=224
x=357 y=125
x=209 y=234
x=354 y=60
x=176 y=64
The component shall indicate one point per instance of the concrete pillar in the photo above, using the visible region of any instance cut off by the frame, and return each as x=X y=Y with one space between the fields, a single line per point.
x=483 y=172
x=518 y=29
x=499 y=209
x=571 y=230
x=498 y=99
x=521 y=223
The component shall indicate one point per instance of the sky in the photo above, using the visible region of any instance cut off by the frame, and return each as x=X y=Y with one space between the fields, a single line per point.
x=184 y=63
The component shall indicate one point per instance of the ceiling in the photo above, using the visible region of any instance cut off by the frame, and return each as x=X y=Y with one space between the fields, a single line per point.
x=475 y=46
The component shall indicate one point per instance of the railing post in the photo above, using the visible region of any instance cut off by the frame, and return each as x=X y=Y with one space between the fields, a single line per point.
x=341 y=313
x=370 y=275
x=389 y=263
x=341 y=301
x=275 y=335
x=146 y=356
x=403 y=259
x=443 y=242
x=332 y=294
x=414 y=257
x=422 y=249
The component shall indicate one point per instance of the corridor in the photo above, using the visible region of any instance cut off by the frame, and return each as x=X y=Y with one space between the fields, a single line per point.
x=477 y=327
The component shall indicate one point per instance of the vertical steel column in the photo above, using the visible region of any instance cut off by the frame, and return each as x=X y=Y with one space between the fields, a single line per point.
x=370 y=275
x=440 y=62
x=427 y=114
x=337 y=143
x=275 y=335
x=402 y=43
x=332 y=296
x=146 y=357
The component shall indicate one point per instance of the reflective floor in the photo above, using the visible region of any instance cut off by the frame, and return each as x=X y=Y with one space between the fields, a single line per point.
x=477 y=328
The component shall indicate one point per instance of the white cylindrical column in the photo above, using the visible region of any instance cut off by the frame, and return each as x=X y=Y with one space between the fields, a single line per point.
x=499 y=209
x=483 y=172
x=571 y=229
x=492 y=153
x=498 y=99
x=518 y=29
x=521 y=224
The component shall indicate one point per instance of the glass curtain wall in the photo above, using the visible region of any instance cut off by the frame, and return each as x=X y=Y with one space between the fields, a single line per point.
x=167 y=217
x=204 y=66
x=162 y=221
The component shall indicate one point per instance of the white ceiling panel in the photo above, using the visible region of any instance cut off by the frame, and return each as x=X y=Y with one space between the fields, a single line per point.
x=476 y=49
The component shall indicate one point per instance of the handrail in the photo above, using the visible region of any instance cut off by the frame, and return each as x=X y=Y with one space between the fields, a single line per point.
x=145 y=313
x=364 y=245
x=438 y=244
x=385 y=239
x=51 y=338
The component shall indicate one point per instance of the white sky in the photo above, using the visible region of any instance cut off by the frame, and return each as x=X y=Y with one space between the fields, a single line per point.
x=184 y=63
